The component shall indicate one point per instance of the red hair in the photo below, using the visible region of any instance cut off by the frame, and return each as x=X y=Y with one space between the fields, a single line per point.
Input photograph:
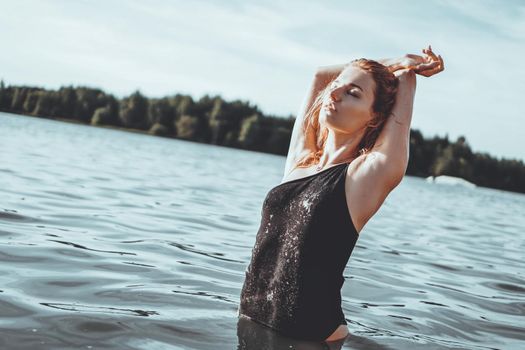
x=385 y=91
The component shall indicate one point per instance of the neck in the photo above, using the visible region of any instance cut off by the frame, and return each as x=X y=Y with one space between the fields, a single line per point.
x=339 y=148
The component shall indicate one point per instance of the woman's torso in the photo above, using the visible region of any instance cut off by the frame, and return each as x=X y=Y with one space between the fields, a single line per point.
x=304 y=241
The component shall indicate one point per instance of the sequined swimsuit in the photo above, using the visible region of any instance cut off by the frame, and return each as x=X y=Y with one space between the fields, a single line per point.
x=306 y=236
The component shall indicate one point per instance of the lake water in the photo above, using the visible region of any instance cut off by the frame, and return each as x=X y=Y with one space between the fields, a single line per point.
x=118 y=240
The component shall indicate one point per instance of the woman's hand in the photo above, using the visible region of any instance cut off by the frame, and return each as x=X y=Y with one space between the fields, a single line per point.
x=433 y=66
x=427 y=65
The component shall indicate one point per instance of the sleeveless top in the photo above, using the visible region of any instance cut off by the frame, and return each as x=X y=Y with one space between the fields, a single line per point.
x=306 y=236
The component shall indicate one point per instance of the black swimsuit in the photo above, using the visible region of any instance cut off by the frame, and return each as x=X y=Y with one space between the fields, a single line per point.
x=293 y=282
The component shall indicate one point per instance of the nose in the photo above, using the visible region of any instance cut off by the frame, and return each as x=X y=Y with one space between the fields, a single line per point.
x=335 y=93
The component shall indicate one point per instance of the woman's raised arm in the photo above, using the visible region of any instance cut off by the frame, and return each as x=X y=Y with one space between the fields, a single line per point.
x=394 y=140
x=301 y=141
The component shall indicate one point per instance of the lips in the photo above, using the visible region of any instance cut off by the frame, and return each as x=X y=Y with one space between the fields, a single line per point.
x=330 y=106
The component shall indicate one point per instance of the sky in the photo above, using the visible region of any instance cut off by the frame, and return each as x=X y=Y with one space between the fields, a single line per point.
x=266 y=52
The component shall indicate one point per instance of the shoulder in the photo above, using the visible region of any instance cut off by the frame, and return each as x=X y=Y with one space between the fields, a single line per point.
x=369 y=180
x=377 y=168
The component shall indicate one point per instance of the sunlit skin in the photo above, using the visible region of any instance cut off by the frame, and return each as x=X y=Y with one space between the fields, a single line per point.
x=346 y=110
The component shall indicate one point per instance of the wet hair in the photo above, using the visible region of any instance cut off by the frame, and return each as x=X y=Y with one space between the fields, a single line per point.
x=386 y=84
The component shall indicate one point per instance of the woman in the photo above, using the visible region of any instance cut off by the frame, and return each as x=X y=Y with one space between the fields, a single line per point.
x=349 y=149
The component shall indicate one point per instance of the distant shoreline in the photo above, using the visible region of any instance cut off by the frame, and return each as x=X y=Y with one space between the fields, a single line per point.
x=241 y=125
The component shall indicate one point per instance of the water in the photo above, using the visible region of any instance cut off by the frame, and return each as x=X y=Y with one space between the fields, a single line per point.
x=118 y=240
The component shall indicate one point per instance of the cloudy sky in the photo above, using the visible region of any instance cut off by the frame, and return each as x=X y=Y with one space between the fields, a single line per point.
x=265 y=52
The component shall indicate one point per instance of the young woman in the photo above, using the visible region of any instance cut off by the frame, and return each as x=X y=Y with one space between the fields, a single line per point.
x=349 y=149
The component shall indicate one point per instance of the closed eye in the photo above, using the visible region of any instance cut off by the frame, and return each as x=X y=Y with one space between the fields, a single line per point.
x=352 y=92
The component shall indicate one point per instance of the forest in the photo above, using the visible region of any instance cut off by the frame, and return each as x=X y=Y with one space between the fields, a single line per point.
x=239 y=124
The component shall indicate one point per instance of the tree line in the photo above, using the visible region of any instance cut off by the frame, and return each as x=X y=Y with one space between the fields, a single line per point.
x=240 y=124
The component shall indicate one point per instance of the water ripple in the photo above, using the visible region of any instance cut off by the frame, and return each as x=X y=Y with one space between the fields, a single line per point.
x=94 y=250
x=99 y=309
x=125 y=241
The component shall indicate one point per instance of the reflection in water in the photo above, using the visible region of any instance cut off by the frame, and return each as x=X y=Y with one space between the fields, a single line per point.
x=252 y=335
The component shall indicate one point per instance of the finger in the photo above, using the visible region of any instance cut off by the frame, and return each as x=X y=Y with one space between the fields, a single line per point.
x=428 y=70
x=429 y=56
x=442 y=64
x=425 y=56
x=433 y=55
x=432 y=71
x=428 y=73
x=426 y=66
x=429 y=51
x=440 y=67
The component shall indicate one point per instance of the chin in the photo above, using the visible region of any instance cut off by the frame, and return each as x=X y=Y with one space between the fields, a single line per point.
x=327 y=119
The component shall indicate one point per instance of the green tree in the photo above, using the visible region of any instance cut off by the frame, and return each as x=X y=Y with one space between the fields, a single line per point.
x=45 y=104
x=19 y=98
x=161 y=112
x=5 y=96
x=87 y=101
x=30 y=102
x=67 y=101
x=107 y=115
x=455 y=160
x=218 y=122
x=249 y=133
x=159 y=130
x=184 y=105
x=134 y=110
x=225 y=120
x=187 y=127
x=279 y=140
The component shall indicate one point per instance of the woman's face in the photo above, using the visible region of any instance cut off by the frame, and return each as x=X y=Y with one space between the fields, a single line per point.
x=347 y=107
